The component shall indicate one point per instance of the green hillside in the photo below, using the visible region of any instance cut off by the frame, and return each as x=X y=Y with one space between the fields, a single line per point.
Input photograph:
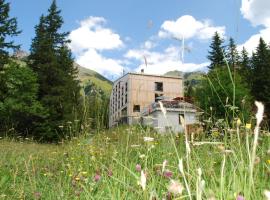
x=88 y=76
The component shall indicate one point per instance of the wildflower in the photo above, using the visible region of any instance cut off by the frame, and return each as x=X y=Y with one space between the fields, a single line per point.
x=143 y=180
x=259 y=114
x=268 y=162
x=148 y=139
x=97 y=177
x=238 y=122
x=138 y=168
x=248 y=126
x=77 y=178
x=142 y=156
x=240 y=197
x=180 y=166
x=164 y=165
x=168 y=174
x=267 y=194
x=175 y=187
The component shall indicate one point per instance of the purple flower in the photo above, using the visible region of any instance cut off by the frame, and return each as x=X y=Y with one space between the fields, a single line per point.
x=168 y=174
x=240 y=197
x=97 y=177
x=138 y=168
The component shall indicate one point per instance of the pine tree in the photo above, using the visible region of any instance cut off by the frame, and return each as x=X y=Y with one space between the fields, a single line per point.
x=8 y=27
x=245 y=68
x=51 y=59
x=216 y=53
x=261 y=74
x=232 y=54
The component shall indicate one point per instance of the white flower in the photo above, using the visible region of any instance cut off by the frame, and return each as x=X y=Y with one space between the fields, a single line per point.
x=259 y=115
x=164 y=165
x=143 y=180
x=148 y=139
x=267 y=194
x=175 y=187
x=180 y=166
x=142 y=156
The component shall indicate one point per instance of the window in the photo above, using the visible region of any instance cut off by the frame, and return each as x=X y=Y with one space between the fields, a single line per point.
x=159 y=86
x=181 y=116
x=158 y=97
x=136 y=108
x=126 y=98
x=126 y=86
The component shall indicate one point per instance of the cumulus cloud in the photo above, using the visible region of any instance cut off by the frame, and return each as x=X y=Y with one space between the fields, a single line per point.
x=90 y=40
x=93 y=35
x=188 y=27
x=93 y=60
x=257 y=12
x=162 y=62
x=251 y=44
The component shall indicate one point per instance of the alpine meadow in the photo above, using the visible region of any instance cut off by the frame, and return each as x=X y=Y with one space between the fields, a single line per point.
x=175 y=108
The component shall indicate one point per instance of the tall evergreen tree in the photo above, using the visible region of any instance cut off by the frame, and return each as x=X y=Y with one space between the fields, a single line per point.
x=232 y=54
x=8 y=27
x=216 y=54
x=245 y=66
x=261 y=74
x=52 y=61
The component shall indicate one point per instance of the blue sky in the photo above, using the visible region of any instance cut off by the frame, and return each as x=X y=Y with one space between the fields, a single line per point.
x=112 y=36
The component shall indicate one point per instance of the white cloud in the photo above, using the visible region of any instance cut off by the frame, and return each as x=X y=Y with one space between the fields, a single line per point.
x=188 y=27
x=256 y=11
x=90 y=40
x=93 y=60
x=253 y=41
x=160 y=63
x=93 y=35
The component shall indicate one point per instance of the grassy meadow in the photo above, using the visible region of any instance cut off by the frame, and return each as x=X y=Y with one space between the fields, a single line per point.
x=136 y=163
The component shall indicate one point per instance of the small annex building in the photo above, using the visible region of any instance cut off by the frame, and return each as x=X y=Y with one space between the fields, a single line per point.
x=170 y=121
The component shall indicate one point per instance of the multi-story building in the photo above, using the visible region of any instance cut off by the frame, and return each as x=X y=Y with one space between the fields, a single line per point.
x=133 y=92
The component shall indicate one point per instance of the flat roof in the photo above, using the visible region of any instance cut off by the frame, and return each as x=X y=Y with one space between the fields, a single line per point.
x=144 y=74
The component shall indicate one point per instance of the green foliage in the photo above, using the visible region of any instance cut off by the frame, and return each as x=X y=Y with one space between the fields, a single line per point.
x=59 y=90
x=19 y=108
x=261 y=74
x=232 y=54
x=8 y=28
x=97 y=106
x=216 y=94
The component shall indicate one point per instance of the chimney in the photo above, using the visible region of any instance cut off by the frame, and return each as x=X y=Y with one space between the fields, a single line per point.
x=142 y=71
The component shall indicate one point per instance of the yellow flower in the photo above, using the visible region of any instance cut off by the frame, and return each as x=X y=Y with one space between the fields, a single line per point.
x=248 y=126
x=238 y=122
x=268 y=162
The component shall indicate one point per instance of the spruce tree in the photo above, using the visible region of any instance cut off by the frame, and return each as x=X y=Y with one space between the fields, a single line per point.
x=8 y=27
x=51 y=59
x=261 y=74
x=232 y=54
x=245 y=66
x=216 y=56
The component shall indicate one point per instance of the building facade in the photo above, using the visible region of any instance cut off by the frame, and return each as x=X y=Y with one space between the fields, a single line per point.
x=133 y=92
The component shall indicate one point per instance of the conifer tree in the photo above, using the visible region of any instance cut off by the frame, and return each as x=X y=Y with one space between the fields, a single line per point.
x=232 y=54
x=51 y=59
x=216 y=56
x=245 y=68
x=8 y=27
x=261 y=74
